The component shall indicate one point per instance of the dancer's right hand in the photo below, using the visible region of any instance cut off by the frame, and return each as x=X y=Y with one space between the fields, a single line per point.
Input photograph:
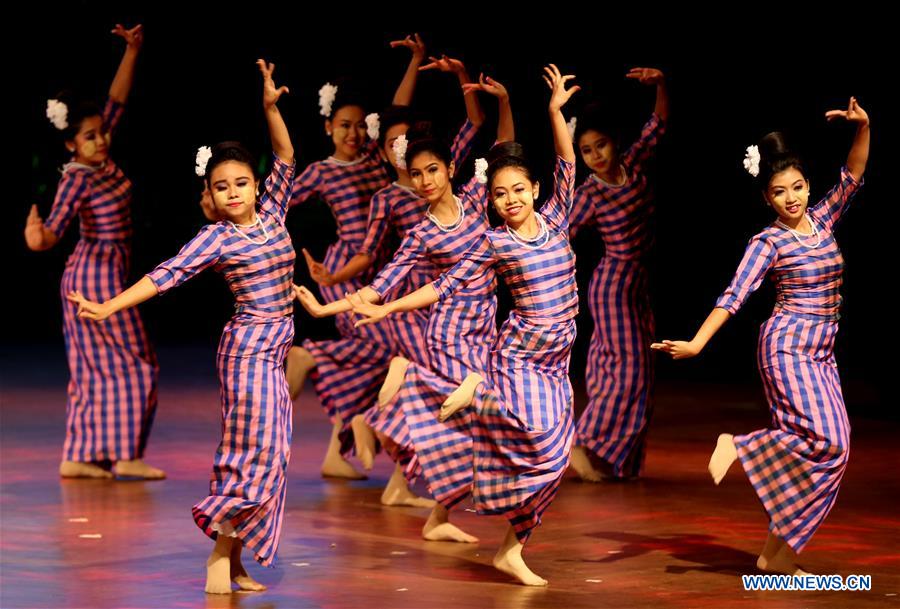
x=317 y=270
x=414 y=43
x=488 y=85
x=133 y=37
x=678 y=349
x=309 y=301
x=88 y=309
x=34 y=229
x=444 y=64
x=207 y=205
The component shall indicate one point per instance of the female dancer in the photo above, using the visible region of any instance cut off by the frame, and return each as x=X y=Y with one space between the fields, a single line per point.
x=252 y=249
x=522 y=423
x=112 y=367
x=796 y=467
x=617 y=199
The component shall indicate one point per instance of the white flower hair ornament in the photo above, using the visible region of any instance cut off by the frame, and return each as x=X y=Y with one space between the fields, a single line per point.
x=399 y=150
x=373 y=125
x=58 y=113
x=203 y=155
x=326 y=98
x=571 y=126
x=751 y=160
x=481 y=166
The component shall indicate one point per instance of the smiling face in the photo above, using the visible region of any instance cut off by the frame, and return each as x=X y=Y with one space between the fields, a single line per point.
x=233 y=189
x=513 y=194
x=91 y=143
x=788 y=194
x=347 y=129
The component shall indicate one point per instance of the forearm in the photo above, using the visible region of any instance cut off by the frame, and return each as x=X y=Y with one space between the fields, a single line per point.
x=420 y=299
x=561 y=140
x=404 y=94
x=121 y=84
x=662 y=102
x=140 y=292
x=343 y=305
x=278 y=132
x=859 y=152
x=506 y=131
x=474 y=111
x=356 y=265
x=713 y=323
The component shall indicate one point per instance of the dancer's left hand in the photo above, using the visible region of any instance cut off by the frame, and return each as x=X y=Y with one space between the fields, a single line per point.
x=88 y=309
x=678 y=349
x=646 y=76
x=370 y=313
x=271 y=93
x=854 y=113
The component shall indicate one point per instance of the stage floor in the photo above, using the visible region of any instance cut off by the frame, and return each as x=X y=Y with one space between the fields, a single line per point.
x=672 y=539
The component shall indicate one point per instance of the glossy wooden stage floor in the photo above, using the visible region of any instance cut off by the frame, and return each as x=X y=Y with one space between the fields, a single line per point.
x=670 y=540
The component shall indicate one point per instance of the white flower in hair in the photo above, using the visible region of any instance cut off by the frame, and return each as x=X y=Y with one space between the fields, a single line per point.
x=571 y=125
x=58 y=113
x=203 y=155
x=399 y=150
x=481 y=166
x=751 y=160
x=373 y=125
x=326 y=98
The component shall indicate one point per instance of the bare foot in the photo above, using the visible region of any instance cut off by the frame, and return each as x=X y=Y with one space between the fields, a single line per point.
x=581 y=463
x=138 y=469
x=722 y=457
x=77 y=469
x=783 y=560
x=397 y=493
x=218 y=567
x=461 y=397
x=299 y=364
x=364 y=438
x=509 y=560
x=238 y=574
x=438 y=528
x=335 y=465
x=393 y=381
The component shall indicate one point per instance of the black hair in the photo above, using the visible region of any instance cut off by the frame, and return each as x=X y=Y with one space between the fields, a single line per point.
x=775 y=156
x=229 y=151
x=78 y=110
x=507 y=154
x=600 y=118
x=421 y=139
x=391 y=117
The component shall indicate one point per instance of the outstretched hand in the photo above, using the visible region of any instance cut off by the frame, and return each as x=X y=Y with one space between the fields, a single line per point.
x=133 y=37
x=559 y=95
x=854 y=113
x=488 y=85
x=678 y=349
x=271 y=93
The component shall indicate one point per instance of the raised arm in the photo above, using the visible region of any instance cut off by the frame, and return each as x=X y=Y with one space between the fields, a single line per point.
x=404 y=93
x=122 y=81
x=140 y=292
x=859 y=150
x=506 y=131
x=278 y=132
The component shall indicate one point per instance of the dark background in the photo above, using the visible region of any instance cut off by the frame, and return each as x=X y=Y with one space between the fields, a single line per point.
x=732 y=78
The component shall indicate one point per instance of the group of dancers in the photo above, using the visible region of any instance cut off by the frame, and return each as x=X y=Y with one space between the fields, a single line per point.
x=421 y=369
